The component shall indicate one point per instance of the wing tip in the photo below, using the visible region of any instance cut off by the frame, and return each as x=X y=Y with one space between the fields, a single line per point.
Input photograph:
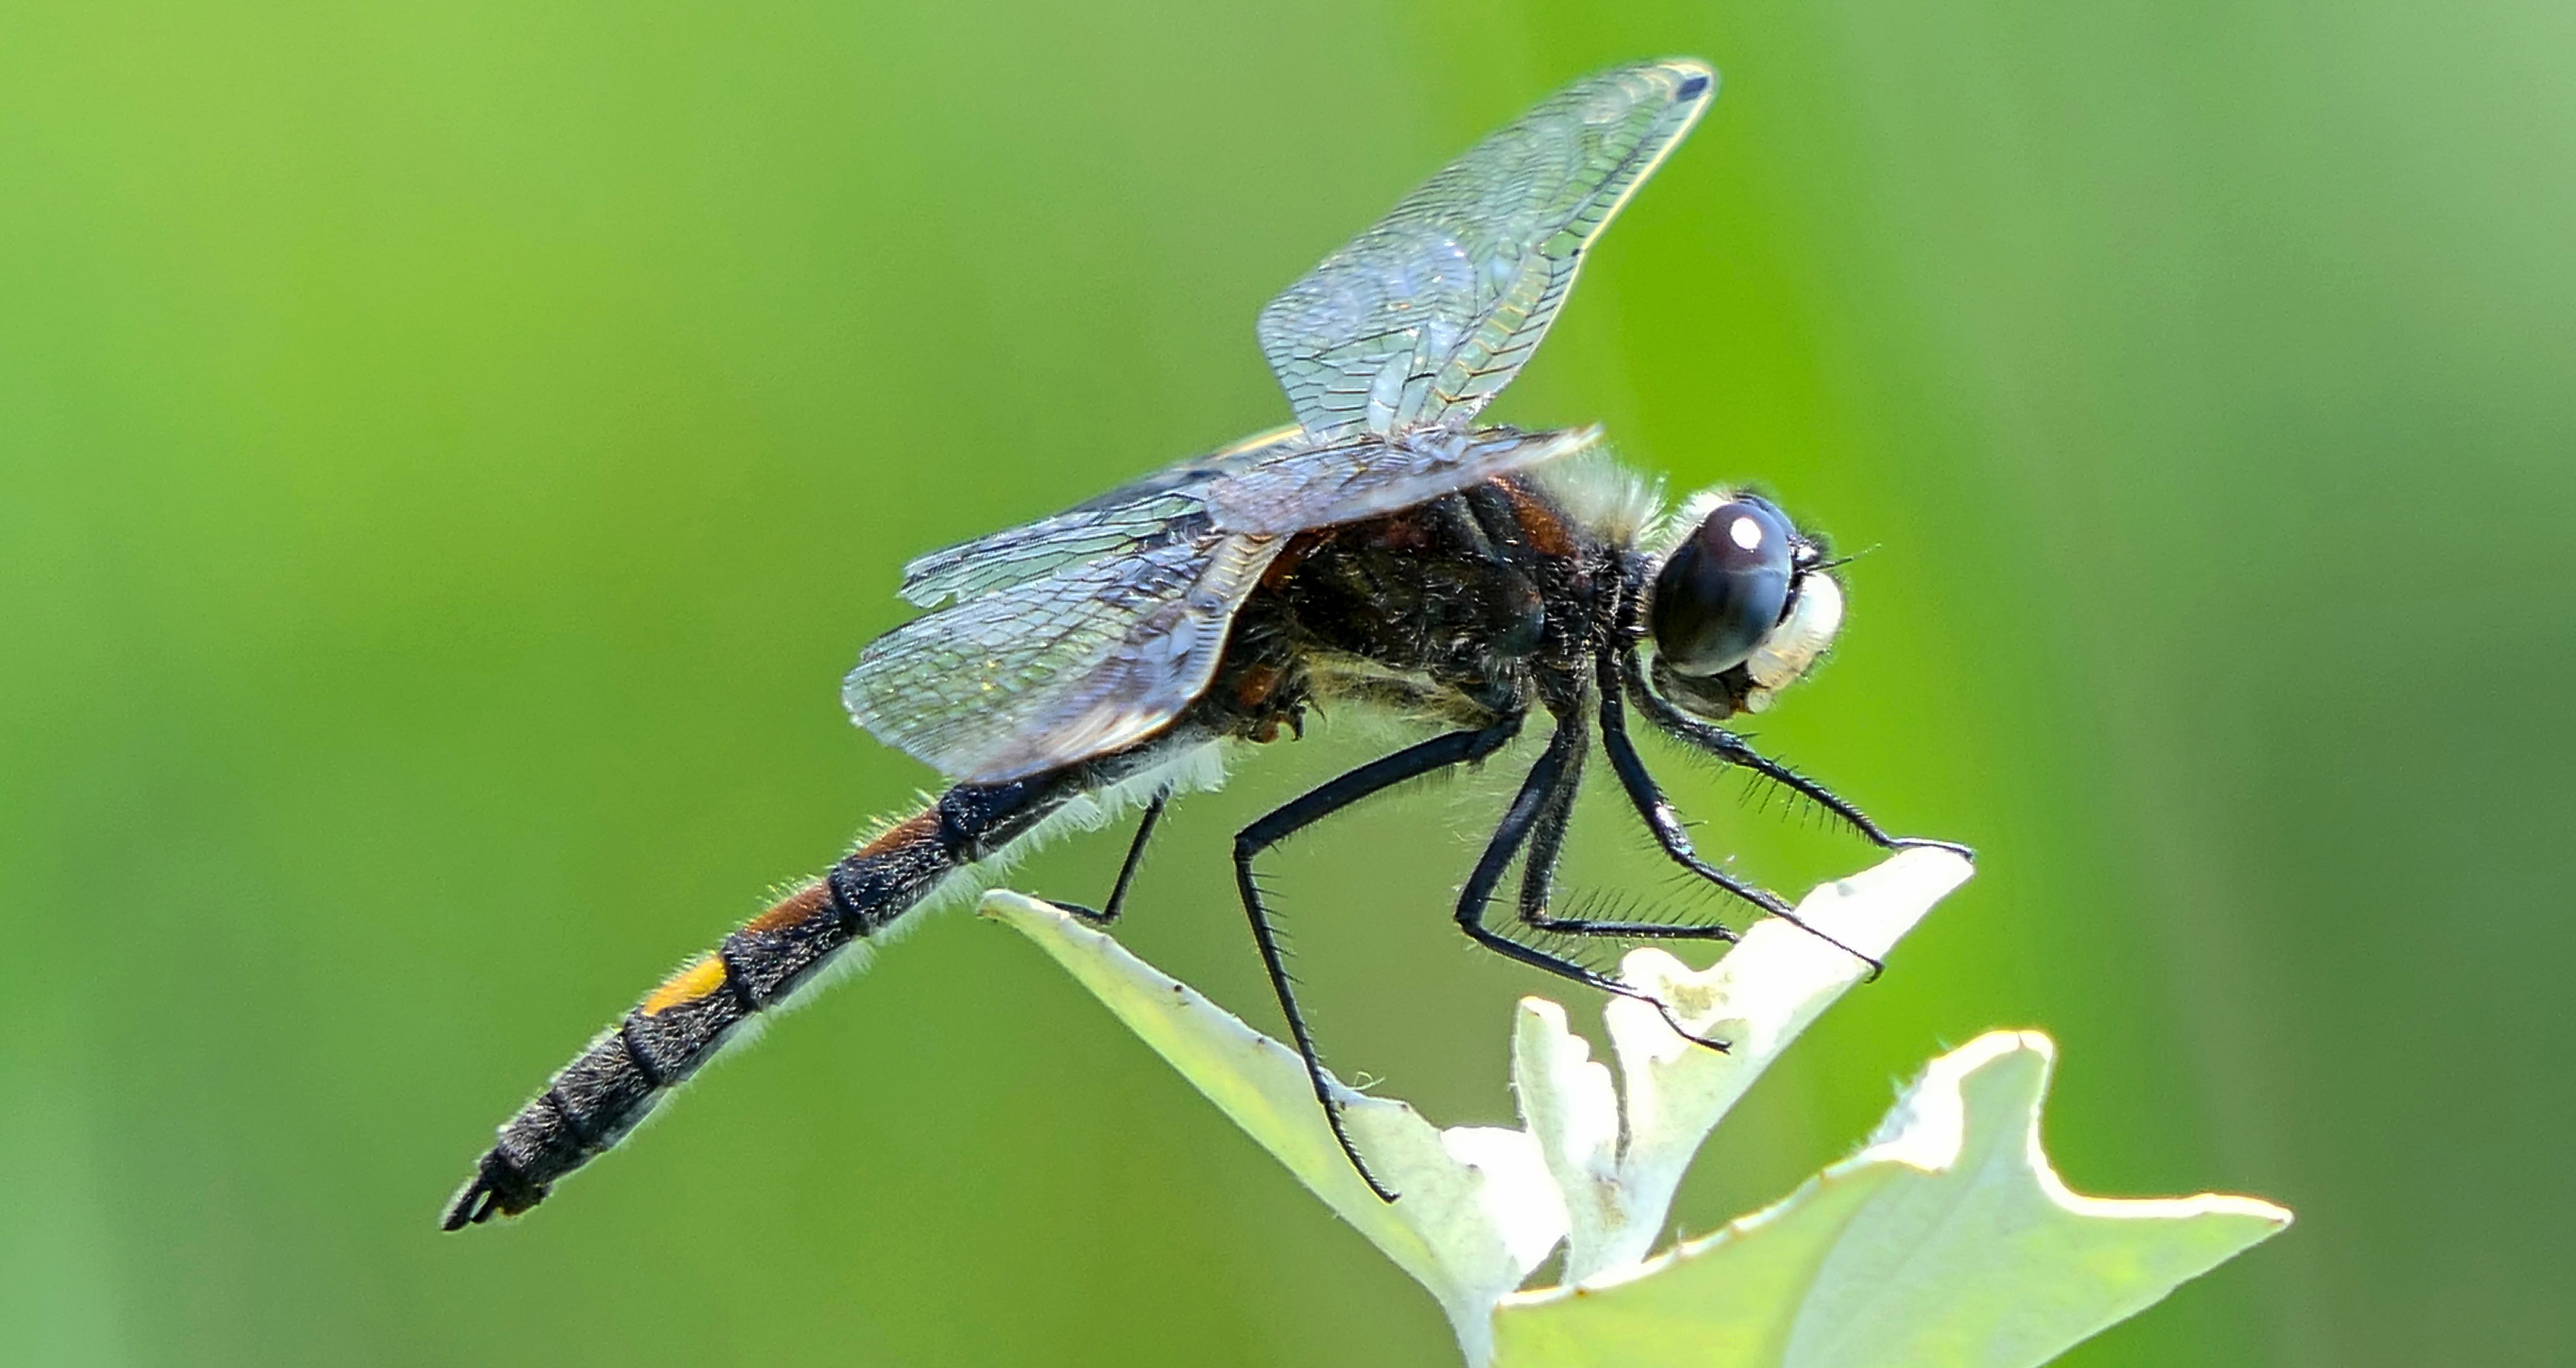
x=1694 y=80
x=1695 y=74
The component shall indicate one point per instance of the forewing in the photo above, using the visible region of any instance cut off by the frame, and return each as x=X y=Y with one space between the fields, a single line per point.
x=1365 y=477
x=1086 y=632
x=1078 y=661
x=1089 y=631
x=1431 y=311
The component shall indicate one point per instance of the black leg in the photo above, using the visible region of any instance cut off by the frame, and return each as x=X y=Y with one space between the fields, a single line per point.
x=1108 y=914
x=1547 y=837
x=1735 y=750
x=1666 y=824
x=1538 y=871
x=1549 y=788
x=1412 y=762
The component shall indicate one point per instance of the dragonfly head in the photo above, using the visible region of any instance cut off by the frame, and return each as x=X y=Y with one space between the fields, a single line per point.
x=1741 y=606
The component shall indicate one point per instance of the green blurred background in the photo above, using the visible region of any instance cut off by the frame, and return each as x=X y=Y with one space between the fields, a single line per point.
x=449 y=453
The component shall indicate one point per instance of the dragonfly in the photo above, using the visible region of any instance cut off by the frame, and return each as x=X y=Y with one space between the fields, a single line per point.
x=1385 y=552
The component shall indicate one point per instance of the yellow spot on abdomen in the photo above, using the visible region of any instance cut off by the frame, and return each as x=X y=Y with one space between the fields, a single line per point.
x=688 y=985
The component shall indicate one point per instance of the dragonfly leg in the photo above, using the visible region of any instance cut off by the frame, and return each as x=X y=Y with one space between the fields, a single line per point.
x=1657 y=812
x=1732 y=749
x=1412 y=762
x=1538 y=872
x=1540 y=809
x=1107 y=913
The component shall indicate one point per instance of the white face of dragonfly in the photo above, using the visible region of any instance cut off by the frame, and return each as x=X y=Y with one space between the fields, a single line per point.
x=1815 y=614
x=1738 y=591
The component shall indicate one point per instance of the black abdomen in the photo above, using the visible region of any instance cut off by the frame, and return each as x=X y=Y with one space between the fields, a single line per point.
x=627 y=1069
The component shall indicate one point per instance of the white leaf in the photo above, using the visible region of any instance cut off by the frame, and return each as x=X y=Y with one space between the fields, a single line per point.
x=1477 y=1211
x=1949 y=1241
x=1757 y=1000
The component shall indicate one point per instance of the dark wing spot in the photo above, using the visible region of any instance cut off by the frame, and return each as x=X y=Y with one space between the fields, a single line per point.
x=1693 y=86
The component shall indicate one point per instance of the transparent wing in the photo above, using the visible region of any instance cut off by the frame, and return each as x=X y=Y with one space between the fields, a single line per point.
x=1080 y=660
x=1431 y=311
x=1112 y=524
x=1088 y=631
x=1366 y=477
x=1040 y=549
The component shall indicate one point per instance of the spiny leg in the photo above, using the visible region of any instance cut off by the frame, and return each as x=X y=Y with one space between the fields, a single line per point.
x=1549 y=788
x=1538 y=874
x=1732 y=749
x=1412 y=762
x=1547 y=840
x=1107 y=914
x=1657 y=812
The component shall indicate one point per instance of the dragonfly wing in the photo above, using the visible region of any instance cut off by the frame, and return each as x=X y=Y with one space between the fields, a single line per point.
x=1040 y=549
x=1083 y=633
x=1083 y=659
x=1366 y=477
x=1108 y=525
x=1087 y=632
x=1432 y=310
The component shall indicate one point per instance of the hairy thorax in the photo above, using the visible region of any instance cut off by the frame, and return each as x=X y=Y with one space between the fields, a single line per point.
x=1459 y=612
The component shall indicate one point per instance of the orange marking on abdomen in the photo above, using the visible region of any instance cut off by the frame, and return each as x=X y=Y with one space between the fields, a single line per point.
x=699 y=979
x=798 y=906
x=904 y=832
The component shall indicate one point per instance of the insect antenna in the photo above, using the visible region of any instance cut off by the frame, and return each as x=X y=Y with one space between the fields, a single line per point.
x=1839 y=562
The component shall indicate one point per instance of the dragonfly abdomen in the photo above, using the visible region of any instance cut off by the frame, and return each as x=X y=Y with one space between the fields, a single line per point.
x=593 y=1102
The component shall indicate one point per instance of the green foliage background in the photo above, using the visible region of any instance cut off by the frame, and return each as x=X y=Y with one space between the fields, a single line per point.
x=449 y=452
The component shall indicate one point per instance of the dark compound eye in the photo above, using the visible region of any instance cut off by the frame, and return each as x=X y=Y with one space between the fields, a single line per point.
x=1723 y=587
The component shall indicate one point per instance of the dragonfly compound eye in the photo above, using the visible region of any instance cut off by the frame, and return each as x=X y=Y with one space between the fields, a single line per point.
x=1724 y=588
